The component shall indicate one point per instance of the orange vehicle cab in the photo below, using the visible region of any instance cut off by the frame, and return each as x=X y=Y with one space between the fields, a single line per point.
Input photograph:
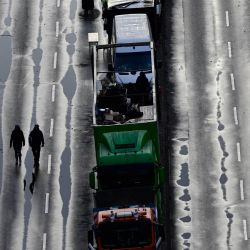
x=126 y=229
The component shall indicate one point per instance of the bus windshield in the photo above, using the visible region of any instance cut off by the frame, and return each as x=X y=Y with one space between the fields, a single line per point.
x=132 y=62
x=125 y=234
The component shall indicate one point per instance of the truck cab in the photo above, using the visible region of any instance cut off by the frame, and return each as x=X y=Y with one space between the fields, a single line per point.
x=127 y=229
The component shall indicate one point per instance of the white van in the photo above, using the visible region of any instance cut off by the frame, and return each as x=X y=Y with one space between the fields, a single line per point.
x=128 y=62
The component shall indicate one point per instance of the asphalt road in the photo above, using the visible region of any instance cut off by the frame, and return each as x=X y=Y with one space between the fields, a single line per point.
x=206 y=94
x=45 y=78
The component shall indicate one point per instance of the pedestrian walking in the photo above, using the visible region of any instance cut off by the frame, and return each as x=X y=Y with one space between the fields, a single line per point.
x=17 y=140
x=87 y=5
x=36 y=141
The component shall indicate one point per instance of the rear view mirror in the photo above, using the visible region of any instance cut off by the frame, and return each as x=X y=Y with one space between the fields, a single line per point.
x=90 y=237
x=110 y=67
x=159 y=64
x=92 y=180
x=161 y=232
x=162 y=175
x=158 y=9
x=161 y=236
x=91 y=240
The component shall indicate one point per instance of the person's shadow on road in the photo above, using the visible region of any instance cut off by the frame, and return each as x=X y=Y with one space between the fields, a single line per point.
x=34 y=178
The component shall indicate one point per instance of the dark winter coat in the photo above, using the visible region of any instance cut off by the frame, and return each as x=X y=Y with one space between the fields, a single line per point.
x=36 y=139
x=17 y=139
x=88 y=4
x=142 y=83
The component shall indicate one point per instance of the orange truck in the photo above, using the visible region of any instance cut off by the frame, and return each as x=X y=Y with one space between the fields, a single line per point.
x=128 y=219
x=127 y=229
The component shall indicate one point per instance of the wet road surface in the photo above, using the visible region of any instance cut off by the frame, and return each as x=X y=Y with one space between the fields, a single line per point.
x=207 y=103
x=45 y=78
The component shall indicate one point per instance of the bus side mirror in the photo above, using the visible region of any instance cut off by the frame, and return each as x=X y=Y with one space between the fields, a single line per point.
x=110 y=67
x=92 y=180
x=161 y=236
x=159 y=64
x=162 y=175
x=91 y=237
x=158 y=8
x=161 y=232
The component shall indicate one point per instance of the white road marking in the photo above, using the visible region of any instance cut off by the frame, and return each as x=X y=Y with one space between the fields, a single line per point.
x=49 y=164
x=227 y=19
x=229 y=49
x=242 y=197
x=53 y=93
x=47 y=203
x=58 y=3
x=235 y=116
x=238 y=151
x=232 y=81
x=57 y=28
x=55 y=60
x=51 y=127
x=245 y=229
x=44 y=241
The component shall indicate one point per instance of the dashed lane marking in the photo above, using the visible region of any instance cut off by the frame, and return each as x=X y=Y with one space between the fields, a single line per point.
x=245 y=229
x=229 y=49
x=227 y=19
x=242 y=197
x=232 y=81
x=58 y=3
x=53 y=93
x=44 y=241
x=238 y=152
x=49 y=164
x=57 y=28
x=236 y=116
x=51 y=127
x=55 y=60
x=46 y=203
